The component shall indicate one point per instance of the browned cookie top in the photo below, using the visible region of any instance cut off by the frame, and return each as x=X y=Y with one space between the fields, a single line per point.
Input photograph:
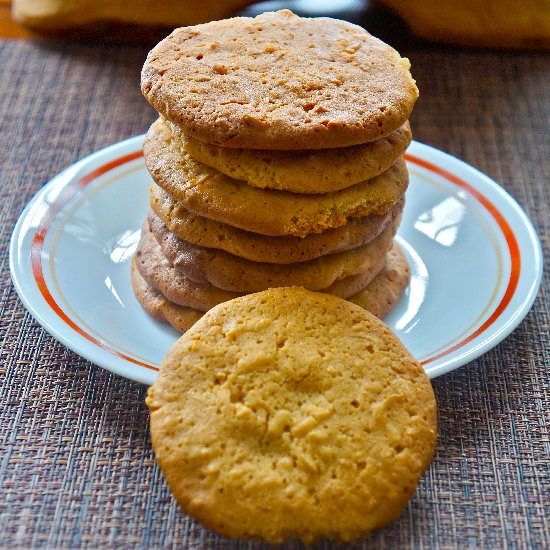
x=279 y=81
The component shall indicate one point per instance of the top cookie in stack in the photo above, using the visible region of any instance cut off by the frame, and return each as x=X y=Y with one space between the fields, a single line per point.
x=277 y=159
x=279 y=81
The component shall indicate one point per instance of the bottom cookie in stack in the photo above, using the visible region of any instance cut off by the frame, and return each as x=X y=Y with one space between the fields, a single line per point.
x=169 y=295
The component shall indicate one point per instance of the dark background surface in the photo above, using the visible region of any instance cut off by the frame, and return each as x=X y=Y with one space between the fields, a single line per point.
x=76 y=466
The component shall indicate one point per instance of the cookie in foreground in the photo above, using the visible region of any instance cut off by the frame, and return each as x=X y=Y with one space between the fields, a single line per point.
x=289 y=414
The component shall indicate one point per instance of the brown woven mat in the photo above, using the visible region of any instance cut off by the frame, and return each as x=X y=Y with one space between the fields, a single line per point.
x=76 y=467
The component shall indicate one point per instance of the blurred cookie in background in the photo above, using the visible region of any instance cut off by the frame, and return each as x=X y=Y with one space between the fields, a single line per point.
x=479 y=23
x=118 y=19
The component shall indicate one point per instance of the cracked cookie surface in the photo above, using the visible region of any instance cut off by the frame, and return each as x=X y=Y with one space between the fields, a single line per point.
x=279 y=81
x=292 y=414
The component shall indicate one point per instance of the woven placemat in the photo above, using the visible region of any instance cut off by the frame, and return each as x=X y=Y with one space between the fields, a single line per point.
x=76 y=466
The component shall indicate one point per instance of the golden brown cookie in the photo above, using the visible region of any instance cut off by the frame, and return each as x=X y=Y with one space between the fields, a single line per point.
x=279 y=81
x=378 y=297
x=261 y=248
x=174 y=285
x=305 y=171
x=158 y=307
x=383 y=292
x=289 y=414
x=224 y=270
x=211 y=194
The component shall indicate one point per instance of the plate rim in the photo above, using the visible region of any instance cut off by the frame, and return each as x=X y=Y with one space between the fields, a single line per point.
x=110 y=359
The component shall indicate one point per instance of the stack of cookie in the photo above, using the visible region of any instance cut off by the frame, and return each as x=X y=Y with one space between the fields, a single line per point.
x=277 y=161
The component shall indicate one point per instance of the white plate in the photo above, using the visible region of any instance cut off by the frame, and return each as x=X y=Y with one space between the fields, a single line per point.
x=476 y=262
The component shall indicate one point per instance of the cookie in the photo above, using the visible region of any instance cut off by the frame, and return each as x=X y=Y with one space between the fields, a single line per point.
x=260 y=248
x=279 y=81
x=224 y=270
x=158 y=307
x=378 y=297
x=174 y=285
x=383 y=292
x=211 y=194
x=305 y=171
x=289 y=414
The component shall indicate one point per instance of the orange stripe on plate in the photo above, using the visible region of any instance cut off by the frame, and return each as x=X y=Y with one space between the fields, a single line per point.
x=511 y=241
x=38 y=244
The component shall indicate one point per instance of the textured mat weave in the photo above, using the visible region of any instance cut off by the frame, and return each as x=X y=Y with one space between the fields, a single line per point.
x=76 y=467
